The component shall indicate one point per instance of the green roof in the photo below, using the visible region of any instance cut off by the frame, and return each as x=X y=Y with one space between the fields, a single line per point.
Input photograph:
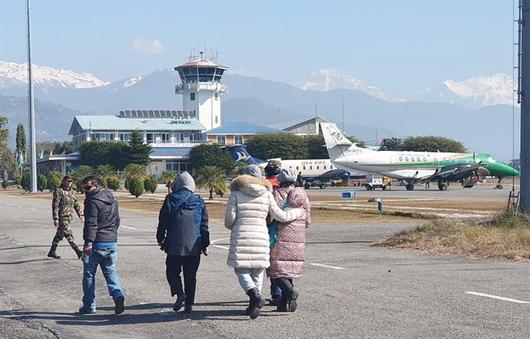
x=115 y=123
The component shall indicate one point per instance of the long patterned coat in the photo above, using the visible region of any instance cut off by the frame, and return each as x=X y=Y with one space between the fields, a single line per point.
x=287 y=255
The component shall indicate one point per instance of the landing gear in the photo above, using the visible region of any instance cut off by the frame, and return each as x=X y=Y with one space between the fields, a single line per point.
x=409 y=186
x=442 y=186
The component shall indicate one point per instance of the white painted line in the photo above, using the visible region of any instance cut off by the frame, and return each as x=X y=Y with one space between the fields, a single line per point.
x=326 y=266
x=497 y=297
x=132 y=228
x=213 y=243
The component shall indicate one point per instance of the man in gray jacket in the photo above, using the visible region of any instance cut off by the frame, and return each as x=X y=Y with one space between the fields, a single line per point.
x=100 y=233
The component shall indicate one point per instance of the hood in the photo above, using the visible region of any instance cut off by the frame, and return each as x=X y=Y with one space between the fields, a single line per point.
x=250 y=185
x=103 y=195
x=184 y=180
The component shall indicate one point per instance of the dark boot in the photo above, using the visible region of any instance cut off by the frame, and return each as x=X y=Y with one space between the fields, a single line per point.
x=289 y=296
x=52 y=253
x=178 y=303
x=255 y=303
x=77 y=250
x=119 y=305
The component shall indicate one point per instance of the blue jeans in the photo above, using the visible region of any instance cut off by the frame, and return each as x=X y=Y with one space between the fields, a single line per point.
x=106 y=257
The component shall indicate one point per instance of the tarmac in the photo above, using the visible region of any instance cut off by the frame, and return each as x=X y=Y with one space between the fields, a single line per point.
x=349 y=289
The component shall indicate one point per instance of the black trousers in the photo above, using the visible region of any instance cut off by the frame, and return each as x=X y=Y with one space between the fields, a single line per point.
x=189 y=265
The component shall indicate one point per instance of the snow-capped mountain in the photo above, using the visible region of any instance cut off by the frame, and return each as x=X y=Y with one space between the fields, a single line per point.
x=326 y=80
x=485 y=90
x=13 y=74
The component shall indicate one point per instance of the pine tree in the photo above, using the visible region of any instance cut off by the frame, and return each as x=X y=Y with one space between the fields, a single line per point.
x=21 y=140
x=138 y=150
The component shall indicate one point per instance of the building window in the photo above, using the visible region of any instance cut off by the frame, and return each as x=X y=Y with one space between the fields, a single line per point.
x=192 y=96
x=164 y=138
x=179 y=137
x=124 y=137
x=221 y=140
x=150 y=138
x=102 y=136
x=238 y=139
x=216 y=119
x=216 y=96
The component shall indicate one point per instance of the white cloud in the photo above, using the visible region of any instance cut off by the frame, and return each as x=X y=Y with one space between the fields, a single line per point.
x=143 y=45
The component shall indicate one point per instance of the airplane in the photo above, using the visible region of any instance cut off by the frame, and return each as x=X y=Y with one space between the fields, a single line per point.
x=413 y=167
x=311 y=169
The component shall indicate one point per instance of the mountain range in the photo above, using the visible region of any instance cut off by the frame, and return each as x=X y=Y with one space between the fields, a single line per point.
x=474 y=111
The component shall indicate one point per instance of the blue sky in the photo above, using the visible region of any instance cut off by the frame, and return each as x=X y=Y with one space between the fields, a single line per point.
x=396 y=45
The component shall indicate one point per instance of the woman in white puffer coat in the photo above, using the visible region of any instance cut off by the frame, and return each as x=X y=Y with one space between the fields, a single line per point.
x=249 y=204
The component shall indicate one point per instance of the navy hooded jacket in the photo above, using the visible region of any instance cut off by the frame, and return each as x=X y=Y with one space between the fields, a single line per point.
x=183 y=224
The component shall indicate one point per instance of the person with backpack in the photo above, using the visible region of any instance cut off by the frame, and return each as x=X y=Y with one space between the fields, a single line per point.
x=288 y=241
x=183 y=234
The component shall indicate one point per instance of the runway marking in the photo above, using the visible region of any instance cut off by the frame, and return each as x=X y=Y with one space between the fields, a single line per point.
x=326 y=266
x=220 y=246
x=497 y=297
x=132 y=228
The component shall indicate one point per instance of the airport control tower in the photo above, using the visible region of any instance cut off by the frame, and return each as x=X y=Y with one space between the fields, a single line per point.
x=201 y=89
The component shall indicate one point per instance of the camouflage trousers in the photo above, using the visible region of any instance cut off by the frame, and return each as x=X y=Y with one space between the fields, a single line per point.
x=63 y=231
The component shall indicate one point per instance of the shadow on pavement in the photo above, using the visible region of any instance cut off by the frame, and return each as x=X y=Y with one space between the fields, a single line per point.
x=22 y=261
x=166 y=315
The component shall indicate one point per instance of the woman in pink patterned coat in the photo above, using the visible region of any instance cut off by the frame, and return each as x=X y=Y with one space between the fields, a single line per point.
x=287 y=254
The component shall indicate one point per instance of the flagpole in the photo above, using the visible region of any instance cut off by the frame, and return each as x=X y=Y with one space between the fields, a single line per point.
x=33 y=151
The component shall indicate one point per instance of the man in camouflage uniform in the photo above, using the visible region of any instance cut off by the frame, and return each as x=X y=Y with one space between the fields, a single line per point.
x=63 y=206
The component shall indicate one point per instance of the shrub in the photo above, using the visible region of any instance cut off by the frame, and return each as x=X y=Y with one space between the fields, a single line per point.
x=25 y=181
x=150 y=184
x=79 y=174
x=54 y=180
x=42 y=182
x=168 y=176
x=5 y=184
x=136 y=186
x=113 y=183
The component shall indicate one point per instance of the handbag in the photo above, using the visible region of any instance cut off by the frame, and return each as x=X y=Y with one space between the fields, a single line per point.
x=273 y=230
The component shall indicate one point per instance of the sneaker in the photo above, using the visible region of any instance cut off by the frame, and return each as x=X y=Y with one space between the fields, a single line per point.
x=119 y=305
x=53 y=255
x=84 y=310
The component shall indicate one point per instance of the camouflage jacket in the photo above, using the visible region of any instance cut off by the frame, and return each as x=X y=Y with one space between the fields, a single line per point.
x=64 y=204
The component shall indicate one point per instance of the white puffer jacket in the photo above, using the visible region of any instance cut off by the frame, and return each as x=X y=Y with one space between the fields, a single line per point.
x=249 y=204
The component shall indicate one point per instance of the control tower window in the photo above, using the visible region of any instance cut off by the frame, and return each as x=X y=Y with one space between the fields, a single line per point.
x=192 y=96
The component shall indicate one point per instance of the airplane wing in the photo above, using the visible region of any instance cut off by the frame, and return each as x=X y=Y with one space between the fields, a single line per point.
x=455 y=172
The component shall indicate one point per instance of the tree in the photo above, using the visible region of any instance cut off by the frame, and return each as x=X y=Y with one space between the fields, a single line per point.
x=42 y=182
x=205 y=155
x=94 y=154
x=134 y=171
x=113 y=183
x=25 y=181
x=65 y=147
x=168 y=176
x=138 y=150
x=213 y=178
x=54 y=180
x=432 y=144
x=136 y=186
x=316 y=147
x=391 y=144
x=7 y=161
x=150 y=184
x=79 y=174
x=104 y=172
x=21 y=140
x=278 y=145
x=4 y=132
